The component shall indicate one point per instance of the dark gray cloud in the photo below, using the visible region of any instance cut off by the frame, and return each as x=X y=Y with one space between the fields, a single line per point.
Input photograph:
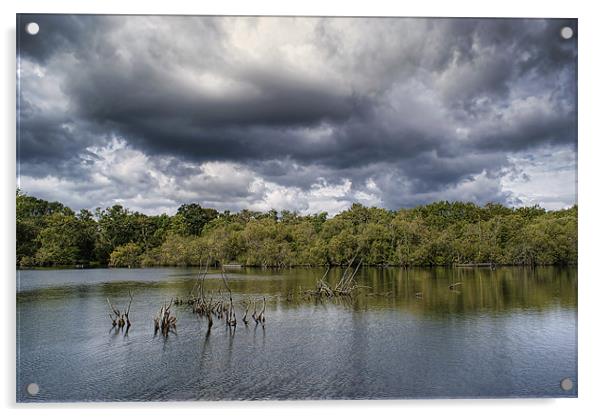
x=391 y=111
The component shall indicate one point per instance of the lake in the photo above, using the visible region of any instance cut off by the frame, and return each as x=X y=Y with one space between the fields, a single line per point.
x=509 y=332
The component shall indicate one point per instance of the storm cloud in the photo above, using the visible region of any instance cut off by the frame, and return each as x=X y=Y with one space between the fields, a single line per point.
x=304 y=114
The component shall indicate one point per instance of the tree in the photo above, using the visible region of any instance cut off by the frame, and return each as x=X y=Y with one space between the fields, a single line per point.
x=127 y=255
x=59 y=242
x=87 y=234
x=441 y=233
x=31 y=217
x=118 y=226
x=192 y=218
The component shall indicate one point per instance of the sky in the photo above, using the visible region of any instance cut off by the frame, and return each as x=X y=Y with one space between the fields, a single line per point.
x=301 y=114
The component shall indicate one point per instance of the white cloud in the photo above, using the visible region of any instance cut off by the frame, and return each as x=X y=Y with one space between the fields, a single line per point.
x=119 y=174
x=547 y=177
x=298 y=114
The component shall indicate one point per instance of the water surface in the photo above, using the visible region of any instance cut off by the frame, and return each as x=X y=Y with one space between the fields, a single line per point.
x=510 y=332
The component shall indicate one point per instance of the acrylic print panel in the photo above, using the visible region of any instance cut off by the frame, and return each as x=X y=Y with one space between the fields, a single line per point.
x=236 y=208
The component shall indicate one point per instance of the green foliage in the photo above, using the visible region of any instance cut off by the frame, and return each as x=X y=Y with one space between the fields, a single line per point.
x=127 y=255
x=177 y=250
x=441 y=233
x=192 y=218
x=59 y=241
x=32 y=214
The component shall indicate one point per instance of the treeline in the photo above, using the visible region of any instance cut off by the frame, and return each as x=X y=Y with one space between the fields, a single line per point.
x=442 y=233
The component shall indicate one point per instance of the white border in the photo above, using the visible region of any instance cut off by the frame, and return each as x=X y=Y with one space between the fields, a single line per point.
x=590 y=204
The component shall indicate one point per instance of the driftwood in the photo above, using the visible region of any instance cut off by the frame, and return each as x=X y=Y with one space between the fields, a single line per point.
x=322 y=287
x=344 y=287
x=244 y=318
x=164 y=321
x=205 y=306
x=121 y=320
x=261 y=317
x=258 y=318
x=347 y=283
x=197 y=294
x=201 y=304
x=230 y=312
x=254 y=315
x=210 y=306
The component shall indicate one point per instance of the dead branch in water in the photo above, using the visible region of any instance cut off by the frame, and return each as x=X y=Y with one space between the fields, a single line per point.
x=344 y=287
x=222 y=307
x=164 y=321
x=117 y=318
x=230 y=313
x=254 y=315
x=197 y=294
x=121 y=319
x=201 y=281
x=261 y=317
x=322 y=287
x=244 y=318
x=347 y=284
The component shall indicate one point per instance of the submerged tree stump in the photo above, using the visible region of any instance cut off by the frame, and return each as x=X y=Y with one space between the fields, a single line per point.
x=121 y=320
x=344 y=287
x=165 y=321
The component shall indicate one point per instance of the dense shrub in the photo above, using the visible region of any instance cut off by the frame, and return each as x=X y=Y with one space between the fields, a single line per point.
x=441 y=233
